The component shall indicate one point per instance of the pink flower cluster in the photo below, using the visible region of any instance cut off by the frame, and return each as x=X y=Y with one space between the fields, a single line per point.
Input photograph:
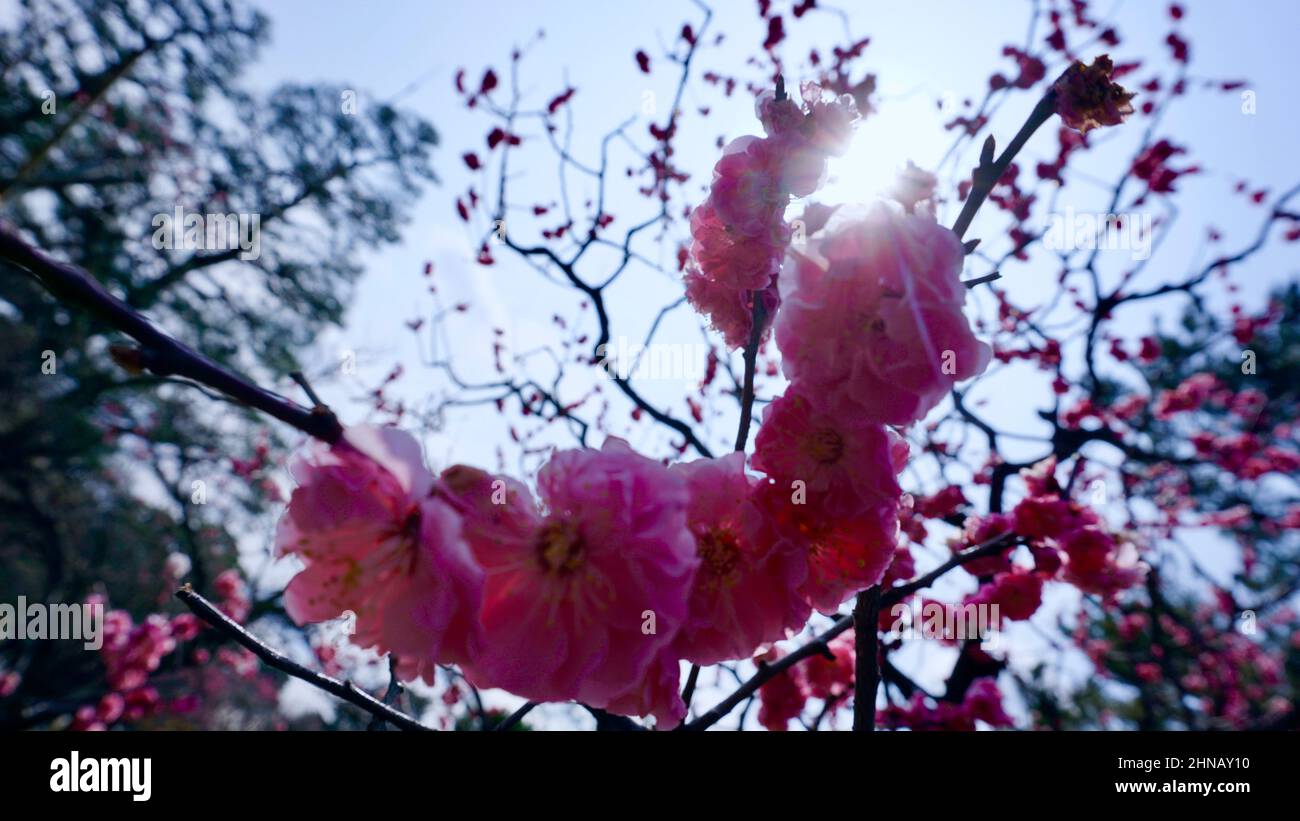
x=622 y=568
x=1238 y=682
x=739 y=234
x=132 y=653
x=831 y=491
x=872 y=335
x=1067 y=542
x=1071 y=541
x=874 y=314
x=581 y=594
x=982 y=702
x=784 y=697
x=599 y=588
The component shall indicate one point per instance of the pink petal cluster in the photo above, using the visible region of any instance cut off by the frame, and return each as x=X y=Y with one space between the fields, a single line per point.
x=785 y=696
x=872 y=334
x=745 y=591
x=1097 y=562
x=1071 y=539
x=874 y=314
x=132 y=653
x=377 y=543
x=982 y=702
x=739 y=234
x=831 y=493
x=782 y=697
x=831 y=679
x=585 y=594
x=1018 y=594
x=912 y=187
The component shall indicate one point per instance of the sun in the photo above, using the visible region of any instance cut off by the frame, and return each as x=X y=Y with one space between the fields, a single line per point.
x=881 y=148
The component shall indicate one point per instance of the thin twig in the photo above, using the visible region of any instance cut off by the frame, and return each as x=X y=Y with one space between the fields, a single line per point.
x=990 y=277
x=751 y=365
x=391 y=695
x=989 y=172
x=345 y=690
x=516 y=717
x=688 y=691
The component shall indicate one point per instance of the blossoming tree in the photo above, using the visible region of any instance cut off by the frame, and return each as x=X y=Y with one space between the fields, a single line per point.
x=768 y=562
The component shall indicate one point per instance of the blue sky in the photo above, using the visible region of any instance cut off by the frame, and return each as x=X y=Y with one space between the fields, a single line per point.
x=921 y=51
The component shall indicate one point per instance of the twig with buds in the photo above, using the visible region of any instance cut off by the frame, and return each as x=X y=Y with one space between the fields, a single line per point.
x=988 y=172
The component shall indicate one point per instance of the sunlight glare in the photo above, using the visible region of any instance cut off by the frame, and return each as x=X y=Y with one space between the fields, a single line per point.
x=880 y=150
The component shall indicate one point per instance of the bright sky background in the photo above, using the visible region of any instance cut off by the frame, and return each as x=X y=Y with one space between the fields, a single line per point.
x=921 y=51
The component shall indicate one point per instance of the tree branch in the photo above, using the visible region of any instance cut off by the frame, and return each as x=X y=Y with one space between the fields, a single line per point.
x=159 y=353
x=345 y=690
x=989 y=172
x=866 y=673
x=821 y=644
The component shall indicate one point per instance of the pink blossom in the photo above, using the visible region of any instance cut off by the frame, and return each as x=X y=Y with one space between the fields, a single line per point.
x=901 y=568
x=832 y=491
x=980 y=530
x=730 y=258
x=983 y=702
x=745 y=591
x=875 y=314
x=730 y=310
x=1096 y=562
x=583 y=595
x=376 y=543
x=1039 y=517
x=233 y=592
x=111 y=706
x=739 y=234
x=1190 y=395
x=1018 y=594
x=657 y=694
x=781 y=698
x=845 y=555
x=747 y=193
x=825 y=122
x=913 y=185
x=832 y=679
x=842 y=460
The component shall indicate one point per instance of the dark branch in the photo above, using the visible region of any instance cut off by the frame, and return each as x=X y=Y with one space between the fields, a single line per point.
x=159 y=353
x=345 y=690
